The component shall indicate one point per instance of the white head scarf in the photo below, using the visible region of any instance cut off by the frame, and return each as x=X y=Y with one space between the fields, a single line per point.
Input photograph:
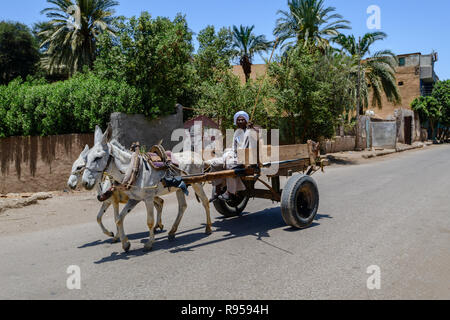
x=241 y=114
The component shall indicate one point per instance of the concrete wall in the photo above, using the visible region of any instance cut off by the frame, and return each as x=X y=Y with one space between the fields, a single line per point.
x=426 y=60
x=258 y=70
x=411 y=60
x=364 y=133
x=131 y=128
x=35 y=164
x=383 y=134
x=338 y=144
x=400 y=115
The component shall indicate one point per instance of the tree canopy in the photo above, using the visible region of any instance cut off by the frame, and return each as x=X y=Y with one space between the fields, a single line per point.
x=377 y=70
x=19 y=52
x=311 y=91
x=153 y=55
x=309 y=22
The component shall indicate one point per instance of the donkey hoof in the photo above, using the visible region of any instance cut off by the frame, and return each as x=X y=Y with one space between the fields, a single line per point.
x=172 y=237
x=158 y=229
x=208 y=231
x=126 y=247
x=111 y=234
x=148 y=248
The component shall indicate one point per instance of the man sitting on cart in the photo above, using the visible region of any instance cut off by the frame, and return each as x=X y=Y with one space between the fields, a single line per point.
x=229 y=160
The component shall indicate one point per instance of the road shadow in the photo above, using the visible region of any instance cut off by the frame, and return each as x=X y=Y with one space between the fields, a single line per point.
x=135 y=236
x=257 y=224
x=341 y=161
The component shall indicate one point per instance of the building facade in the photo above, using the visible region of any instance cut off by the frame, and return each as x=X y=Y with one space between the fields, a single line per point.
x=416 y=77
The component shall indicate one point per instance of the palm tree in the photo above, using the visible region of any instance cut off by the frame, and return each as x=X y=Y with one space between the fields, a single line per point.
x=308 y=22
x=246 y=45
x=376 y=73
x=70 y=36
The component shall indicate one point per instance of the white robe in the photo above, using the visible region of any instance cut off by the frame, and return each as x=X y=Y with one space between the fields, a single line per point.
x=229 y=160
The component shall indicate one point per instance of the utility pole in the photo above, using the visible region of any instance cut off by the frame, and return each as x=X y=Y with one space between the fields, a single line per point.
x=358 y=93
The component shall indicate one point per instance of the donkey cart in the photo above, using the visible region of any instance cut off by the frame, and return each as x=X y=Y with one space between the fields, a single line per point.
x=300 y=196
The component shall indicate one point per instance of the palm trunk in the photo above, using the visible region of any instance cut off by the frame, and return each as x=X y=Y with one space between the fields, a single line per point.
x=358 y=106
x=432 y=130
x=246 y=67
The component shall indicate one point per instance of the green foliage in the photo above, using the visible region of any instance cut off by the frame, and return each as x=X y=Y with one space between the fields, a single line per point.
x=73 y=106
x=214 y=53
x=435 y=109
x=441 y=92
x=19 y=52
x=428 y=108
x=225 y=95
x=311 y=91
x=153 y=56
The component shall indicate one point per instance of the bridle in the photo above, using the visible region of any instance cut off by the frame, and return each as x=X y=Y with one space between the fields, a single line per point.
x=105 y=173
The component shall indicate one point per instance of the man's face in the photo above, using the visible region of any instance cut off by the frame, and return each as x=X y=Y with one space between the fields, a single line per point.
x=241 y=122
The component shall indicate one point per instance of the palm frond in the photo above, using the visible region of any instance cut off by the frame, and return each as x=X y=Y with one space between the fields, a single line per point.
x=71 y=33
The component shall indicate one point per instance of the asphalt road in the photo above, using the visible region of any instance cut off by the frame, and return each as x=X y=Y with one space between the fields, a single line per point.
x=393 y=214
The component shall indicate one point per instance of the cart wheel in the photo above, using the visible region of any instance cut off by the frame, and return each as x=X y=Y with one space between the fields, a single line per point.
x=232 y=208
x=300 y=201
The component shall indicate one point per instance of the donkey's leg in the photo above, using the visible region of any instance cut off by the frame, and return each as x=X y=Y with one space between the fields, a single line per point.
x=115 y=203
x=182 y=206
x=100 y=215
x=150 y=223
x=205 y=201
x=125 y=211
x=159 y=204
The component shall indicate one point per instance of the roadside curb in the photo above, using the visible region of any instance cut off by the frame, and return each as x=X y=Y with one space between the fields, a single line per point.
x=337 y=159
x=381 y=154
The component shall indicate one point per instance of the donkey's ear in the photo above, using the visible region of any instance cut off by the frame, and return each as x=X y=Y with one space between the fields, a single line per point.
x=85 y=151
x=107 y=135
x=98 y=135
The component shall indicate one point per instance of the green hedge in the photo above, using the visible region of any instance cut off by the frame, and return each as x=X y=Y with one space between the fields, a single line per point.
x=77 y=105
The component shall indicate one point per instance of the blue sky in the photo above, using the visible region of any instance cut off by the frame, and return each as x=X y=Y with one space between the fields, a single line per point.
x=411 y=25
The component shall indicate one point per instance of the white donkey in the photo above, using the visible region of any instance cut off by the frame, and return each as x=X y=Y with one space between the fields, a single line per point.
x=118 y=197
x=107 y=157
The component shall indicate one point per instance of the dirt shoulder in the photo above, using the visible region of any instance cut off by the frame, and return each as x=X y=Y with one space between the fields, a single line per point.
x=59 y=210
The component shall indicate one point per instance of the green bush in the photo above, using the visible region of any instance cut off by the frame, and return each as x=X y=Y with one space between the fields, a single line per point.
x=77 y=105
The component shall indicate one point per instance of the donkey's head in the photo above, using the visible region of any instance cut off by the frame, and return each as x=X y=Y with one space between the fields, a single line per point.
x=80 y=164
x=97 y=161
x=77 y=169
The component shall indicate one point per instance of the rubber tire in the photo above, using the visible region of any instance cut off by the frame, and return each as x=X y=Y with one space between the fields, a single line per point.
x=290 y=208
x=228 y=211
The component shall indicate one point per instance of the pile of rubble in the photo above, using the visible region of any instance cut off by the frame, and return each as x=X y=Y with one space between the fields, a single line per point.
x=16 y=200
